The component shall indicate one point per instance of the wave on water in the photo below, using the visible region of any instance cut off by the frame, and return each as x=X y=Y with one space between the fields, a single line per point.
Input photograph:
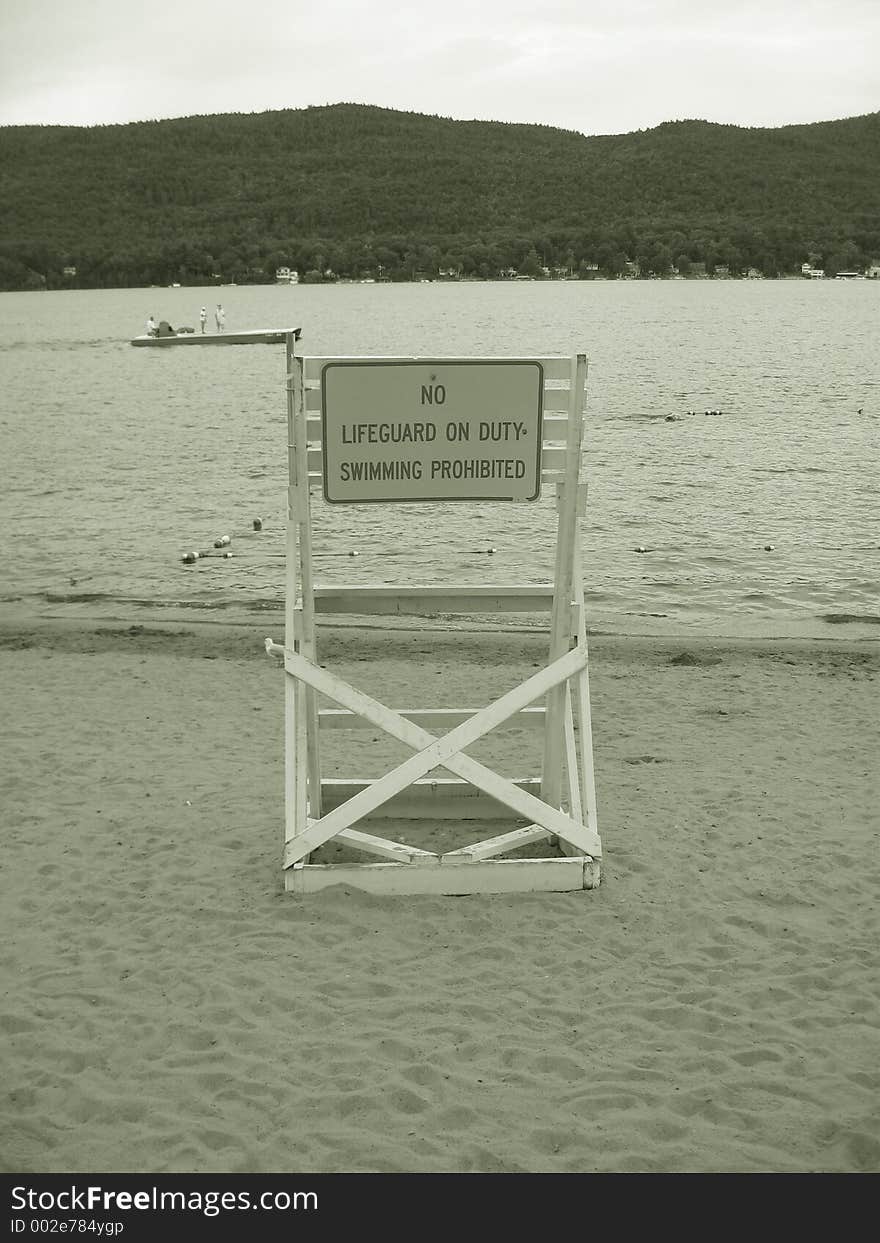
x=73 y=597
x=791 y=470
x=254 y=604
x=850 y=619
x=56 y=345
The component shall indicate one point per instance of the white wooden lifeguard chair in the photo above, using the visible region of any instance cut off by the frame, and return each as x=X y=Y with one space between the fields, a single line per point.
x=557 y=806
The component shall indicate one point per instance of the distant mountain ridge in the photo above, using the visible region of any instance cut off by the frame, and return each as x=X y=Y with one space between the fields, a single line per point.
x=363 y=191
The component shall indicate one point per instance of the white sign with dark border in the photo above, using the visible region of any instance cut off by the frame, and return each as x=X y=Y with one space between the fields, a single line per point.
x=432 y=430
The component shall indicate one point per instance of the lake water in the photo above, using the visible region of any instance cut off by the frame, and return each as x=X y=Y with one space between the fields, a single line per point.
x=116 y=461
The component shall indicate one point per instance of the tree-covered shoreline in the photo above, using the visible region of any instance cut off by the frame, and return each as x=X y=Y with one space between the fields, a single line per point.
x=361 y=193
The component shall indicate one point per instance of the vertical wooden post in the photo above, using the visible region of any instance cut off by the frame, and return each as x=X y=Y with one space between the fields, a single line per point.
x=294 y=694
x=305 y=637
x=561 y=617
x=585 y=722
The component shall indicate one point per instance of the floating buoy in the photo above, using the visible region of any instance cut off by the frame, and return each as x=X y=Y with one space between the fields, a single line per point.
x=226 y=555
x=641 y=548
x=189 y=558
x=222 y=541
x=258 y=524
x=354 y=553
x=768 y=547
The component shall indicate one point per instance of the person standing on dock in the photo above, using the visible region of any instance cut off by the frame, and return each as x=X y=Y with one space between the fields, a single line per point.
x=220 y=318
x=203 y=318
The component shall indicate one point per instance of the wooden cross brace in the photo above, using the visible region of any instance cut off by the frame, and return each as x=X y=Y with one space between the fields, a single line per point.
x=432 y=752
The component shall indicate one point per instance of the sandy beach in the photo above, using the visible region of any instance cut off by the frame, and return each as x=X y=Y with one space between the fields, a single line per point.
x=712 y=1006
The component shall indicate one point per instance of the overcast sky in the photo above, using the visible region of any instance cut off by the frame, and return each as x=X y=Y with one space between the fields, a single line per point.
x=597 y=66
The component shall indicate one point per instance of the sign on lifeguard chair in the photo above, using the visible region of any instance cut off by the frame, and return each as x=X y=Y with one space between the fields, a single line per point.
x=426 y=430
x=395 y=430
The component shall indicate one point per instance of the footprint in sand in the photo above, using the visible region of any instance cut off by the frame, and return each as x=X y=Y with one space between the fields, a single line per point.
x=405 y=1101
x=754 y=1057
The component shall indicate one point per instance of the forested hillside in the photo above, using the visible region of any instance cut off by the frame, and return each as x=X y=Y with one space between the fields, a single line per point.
x=354 y=191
